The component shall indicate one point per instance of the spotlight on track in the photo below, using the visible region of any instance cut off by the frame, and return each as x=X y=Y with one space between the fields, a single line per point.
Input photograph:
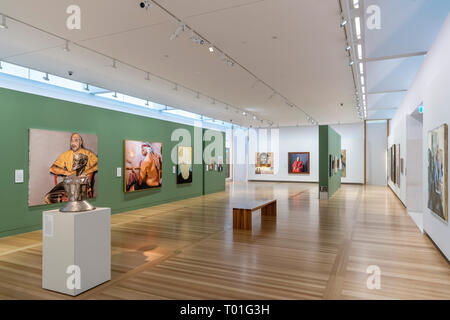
x=146 y=4
x=66 y=46
x=343 y=23
x=181 y=28
x=3 y=25
x=195 y=38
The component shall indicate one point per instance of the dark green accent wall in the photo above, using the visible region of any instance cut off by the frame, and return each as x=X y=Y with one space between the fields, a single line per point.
x=329 y=144
x=21 y=111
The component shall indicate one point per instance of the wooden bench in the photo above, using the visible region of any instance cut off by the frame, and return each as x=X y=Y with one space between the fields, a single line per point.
x=242 y=212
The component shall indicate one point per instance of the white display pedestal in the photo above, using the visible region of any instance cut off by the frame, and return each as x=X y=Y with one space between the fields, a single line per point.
x=76 y=250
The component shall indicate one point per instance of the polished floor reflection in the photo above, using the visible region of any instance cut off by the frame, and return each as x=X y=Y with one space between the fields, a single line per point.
x=311 y=250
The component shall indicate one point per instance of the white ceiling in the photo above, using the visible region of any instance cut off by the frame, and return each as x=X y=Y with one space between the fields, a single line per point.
x=295 y=46
x=306 y=62
x=394 y=53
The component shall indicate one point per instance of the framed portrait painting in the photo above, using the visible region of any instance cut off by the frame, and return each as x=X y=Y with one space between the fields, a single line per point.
x=344 y=163
x=143 y=165
x=264 y=163
x=437 y=153
x=184 y=165
x=55 y=155
x=298 y=163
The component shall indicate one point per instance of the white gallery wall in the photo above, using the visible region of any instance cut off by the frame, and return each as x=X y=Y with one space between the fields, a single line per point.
x=430 y=86
x=397 y=135
x=305 y=139
x=352 y=140
x=376 y=155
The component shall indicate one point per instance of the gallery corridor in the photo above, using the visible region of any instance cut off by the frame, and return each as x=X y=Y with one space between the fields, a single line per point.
x=311 y=250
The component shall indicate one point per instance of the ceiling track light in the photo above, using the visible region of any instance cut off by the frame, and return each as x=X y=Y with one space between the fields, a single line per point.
x=86 y=87
x=211 y=49
x=181 y=28
x=146 y=4
x=147 y=103
x=351 y=63
x=46 y=78
x=195 y=38
x=348 y=48
x=148 y=76
x=244 y=113
x=230 y=63
x=3 y=24
x=115 y=94
x=114 y=64
x=66 y=46
x=343 y=22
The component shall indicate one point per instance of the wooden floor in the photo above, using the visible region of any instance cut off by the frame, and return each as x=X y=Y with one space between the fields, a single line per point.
x=188 y=250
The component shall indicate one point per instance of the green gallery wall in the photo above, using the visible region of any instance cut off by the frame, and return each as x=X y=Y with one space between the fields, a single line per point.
x=21 y=111
x=329 y=144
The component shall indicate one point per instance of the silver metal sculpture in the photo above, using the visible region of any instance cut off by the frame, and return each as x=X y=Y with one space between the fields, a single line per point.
x=76 y=186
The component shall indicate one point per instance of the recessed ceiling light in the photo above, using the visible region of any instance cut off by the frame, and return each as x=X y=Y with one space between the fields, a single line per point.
x=360 y=55
x=361 y=68
x=356 y=4
x=358 y=27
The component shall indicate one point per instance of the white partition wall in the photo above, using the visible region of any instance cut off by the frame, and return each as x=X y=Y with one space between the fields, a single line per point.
x=352 y=140
x=414 y=163
x=305 y=139
x=376 y=152
x=430 y=86
x=240 y=154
